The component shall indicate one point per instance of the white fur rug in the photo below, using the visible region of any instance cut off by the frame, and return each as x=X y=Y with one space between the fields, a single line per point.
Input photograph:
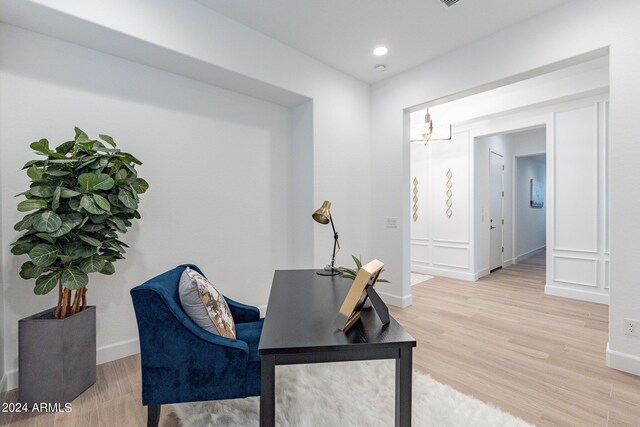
x=348 y=394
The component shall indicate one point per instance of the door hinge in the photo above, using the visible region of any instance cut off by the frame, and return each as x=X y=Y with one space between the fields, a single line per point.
x=503 y=222
x=502 y=167
x=503 y=194
x=503 y=249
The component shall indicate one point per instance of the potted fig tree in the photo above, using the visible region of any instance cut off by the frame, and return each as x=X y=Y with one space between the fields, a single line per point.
x=83 y=193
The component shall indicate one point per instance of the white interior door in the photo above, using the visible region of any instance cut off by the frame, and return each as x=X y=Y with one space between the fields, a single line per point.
x=496 y=185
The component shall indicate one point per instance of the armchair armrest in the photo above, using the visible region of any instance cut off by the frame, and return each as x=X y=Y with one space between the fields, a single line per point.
x=242 y=313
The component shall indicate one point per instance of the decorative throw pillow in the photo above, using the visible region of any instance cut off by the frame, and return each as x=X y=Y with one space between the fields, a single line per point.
x=205 y=305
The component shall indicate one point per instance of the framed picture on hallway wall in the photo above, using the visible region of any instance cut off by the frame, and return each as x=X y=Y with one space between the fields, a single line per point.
x=537 y=194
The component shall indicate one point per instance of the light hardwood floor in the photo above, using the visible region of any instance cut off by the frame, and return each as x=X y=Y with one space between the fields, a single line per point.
x=503 y=341
x=499 y=339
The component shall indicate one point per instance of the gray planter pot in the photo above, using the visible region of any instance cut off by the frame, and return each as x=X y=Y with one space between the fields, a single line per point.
x=57 y=358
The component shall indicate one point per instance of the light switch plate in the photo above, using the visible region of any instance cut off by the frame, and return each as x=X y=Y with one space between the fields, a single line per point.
x=391 y=223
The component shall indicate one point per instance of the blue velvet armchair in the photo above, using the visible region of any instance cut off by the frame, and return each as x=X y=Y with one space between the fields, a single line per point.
x=182 y=362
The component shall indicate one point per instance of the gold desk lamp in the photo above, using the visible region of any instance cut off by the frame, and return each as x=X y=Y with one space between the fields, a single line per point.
x=323 y=216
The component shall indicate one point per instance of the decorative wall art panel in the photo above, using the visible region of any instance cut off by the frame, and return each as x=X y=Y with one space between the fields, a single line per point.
x=449 y=193
x=415 y=199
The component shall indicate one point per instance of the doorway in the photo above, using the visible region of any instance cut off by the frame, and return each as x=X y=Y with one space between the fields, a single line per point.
x=496 y=211
x=508 y=227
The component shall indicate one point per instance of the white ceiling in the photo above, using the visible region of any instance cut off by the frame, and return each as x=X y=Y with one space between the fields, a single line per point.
x=343 y=33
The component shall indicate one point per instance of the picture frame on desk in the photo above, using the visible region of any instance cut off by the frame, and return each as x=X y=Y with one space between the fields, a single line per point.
x=362 y=289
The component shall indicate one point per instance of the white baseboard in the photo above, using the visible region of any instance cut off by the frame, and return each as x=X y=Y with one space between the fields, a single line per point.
x=117 y=350
x=481 y=273
x=443 y=272
x=578 y=294
x=526 y=255
x=396 y=300
x=3 y=383
x=507 y=263
x=623 y=361
x=263 y=310
x=104 y=354
x=11 y=380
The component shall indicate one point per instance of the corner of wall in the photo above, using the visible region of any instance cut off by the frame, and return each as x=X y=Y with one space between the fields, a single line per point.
x=395 y=300
x=621 y=361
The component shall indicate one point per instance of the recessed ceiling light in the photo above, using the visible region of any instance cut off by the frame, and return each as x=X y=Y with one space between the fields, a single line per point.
x=380 y=51
x=380 y=68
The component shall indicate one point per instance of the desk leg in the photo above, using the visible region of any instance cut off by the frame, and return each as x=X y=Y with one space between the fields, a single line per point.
x=267 y=391
x=403 y=387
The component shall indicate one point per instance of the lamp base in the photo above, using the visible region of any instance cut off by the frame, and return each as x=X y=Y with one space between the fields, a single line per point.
x=332 y=272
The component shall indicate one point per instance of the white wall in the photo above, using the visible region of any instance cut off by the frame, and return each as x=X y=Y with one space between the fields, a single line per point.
x=219 y=166
x=530 y=224
x=573 y=29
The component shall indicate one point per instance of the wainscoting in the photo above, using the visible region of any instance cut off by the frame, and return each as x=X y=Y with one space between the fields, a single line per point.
x=579 y=234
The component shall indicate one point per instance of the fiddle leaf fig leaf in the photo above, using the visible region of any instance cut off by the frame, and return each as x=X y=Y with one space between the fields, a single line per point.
x=105 y=182
x=43 y=255
x=90 y=240
x=42 y=191
x=41 y=147
x=45 y=283
x=66 y=193
x=68 y=223
x=107 y=139
x=81 y=137
x=55 y=203
x=90 y=205
x=108 y=268
x=30 y=271
x=47 y=222
x=127 y=199
x=31 y=204
x=65 y=147
x=140 y=185
x=102 y=202
x=35 y=173
x=74 y=278
x=93 y=264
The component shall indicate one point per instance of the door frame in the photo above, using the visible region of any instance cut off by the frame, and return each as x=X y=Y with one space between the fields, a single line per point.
x=491 y=270
x=507 y=124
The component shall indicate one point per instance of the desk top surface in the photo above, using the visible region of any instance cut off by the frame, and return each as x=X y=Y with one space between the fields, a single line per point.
x=301 y=313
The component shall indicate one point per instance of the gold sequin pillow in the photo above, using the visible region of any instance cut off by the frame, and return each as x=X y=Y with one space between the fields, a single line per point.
x=205 y=305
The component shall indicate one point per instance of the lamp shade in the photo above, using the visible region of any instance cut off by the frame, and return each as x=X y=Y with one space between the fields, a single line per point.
x=323 y=215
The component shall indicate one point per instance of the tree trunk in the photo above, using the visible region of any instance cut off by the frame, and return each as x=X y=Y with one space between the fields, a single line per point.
x=74 y=304
x=65 y=303
x=56 y=313
x=84 y=299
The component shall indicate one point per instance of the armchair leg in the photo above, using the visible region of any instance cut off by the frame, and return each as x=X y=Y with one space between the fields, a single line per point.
x=153 y=415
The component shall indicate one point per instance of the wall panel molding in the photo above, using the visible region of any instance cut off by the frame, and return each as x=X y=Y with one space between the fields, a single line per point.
x=573 y=270
x=575 y=136
x=451 y=256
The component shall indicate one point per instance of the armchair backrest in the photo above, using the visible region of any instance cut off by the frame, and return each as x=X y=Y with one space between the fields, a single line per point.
x=167 y=283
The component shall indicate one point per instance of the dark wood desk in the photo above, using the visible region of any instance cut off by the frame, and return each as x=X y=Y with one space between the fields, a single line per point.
x=299 y=328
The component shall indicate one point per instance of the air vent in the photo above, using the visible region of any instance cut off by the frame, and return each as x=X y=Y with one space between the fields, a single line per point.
x=449 y=3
